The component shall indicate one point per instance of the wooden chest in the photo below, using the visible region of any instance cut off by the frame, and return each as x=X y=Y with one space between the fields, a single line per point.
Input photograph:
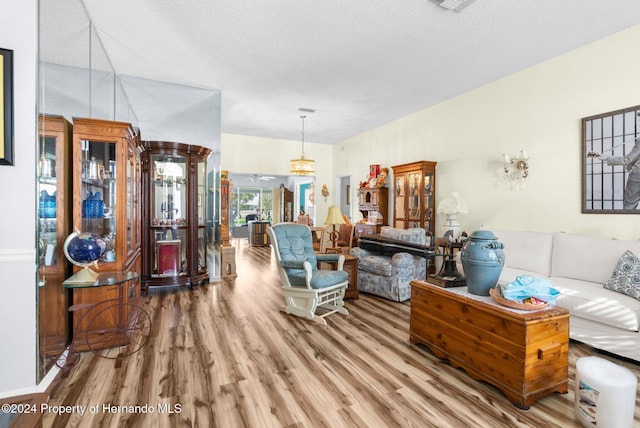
x=523 y=354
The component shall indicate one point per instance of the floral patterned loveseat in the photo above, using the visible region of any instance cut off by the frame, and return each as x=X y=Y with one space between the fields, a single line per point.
x=389 y=276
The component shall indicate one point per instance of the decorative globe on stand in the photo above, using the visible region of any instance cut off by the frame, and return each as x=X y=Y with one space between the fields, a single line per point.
x=84 y=249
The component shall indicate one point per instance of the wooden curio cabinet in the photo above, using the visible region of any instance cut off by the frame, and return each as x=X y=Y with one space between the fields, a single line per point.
x=106 y=185
x=286 y=204
x=174 y=229
x=54 y=224
x=373 y=204
x=414 y=195
x=225 y=214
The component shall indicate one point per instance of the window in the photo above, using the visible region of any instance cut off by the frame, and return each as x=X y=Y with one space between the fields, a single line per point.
x=250 y=201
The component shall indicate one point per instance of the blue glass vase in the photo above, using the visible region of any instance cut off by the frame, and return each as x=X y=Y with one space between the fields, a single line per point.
x=482 y=259
x=93 y=206
x=47 y=207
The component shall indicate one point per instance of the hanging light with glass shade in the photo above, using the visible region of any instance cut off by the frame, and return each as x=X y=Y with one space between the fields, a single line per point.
x=303 y=166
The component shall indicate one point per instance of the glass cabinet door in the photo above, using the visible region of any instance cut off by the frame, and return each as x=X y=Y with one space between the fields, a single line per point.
x=414 y=199
x=400 y=202
x=428 y=203
x=53 y=226
x=130 y=197
x=98 y=193
x=201 y=174
x=169 y=197
x=51 y=261
x=133 y=209
x=47 y=210
x=202 y=249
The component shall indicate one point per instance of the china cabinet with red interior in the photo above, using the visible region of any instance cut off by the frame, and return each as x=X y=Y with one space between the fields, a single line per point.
x=174 y=231
x=54 y=224
x=106 y=186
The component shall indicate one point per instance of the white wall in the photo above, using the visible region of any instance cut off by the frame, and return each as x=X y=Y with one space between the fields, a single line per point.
x=539 y=110
x=18 y=31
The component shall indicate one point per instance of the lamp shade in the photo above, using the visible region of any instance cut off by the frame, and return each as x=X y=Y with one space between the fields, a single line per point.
x=334 y=216
x=303 y=166
x=453 y=204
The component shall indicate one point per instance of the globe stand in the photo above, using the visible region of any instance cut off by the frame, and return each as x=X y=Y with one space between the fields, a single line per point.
x=91 y=248
x=84 y=276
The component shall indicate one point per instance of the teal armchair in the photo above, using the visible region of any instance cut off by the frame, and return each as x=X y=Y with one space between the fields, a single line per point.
x=306 y=288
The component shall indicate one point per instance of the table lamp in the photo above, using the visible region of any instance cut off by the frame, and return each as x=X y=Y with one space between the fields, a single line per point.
x=334 y=217
x=452 y=205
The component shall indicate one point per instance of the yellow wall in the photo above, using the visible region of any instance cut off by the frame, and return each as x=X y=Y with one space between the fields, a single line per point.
x=243 y=154
x=539 y=110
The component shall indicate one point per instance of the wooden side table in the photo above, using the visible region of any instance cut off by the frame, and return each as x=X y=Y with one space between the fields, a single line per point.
x=351 y=268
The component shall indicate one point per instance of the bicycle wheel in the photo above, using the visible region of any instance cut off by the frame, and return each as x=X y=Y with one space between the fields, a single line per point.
x=68 y=358
x=118 y=325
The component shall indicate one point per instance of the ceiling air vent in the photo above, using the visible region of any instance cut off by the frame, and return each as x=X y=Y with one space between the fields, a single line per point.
x=455 y=5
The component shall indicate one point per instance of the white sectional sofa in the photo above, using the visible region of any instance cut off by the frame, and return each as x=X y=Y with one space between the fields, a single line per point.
x=579 y=266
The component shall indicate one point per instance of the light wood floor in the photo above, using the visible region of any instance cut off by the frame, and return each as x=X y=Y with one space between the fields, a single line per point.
x=224 y=356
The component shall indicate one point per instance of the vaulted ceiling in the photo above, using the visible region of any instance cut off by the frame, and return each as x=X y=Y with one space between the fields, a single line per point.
x=359 y=63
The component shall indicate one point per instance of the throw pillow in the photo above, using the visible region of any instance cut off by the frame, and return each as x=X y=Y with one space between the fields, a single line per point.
x=625 y=277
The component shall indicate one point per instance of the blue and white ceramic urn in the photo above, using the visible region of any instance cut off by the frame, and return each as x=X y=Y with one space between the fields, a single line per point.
x=482 y=259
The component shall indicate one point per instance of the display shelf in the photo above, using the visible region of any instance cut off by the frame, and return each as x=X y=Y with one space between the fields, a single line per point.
x=373 y=204
x=173 y=225
x=106 y=186
x=414 y=196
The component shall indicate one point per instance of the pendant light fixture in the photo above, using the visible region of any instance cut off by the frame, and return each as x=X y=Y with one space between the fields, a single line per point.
x=303 y=166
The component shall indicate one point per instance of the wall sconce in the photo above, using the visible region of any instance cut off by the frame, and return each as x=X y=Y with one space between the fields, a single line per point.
x=516 y=170
x=325 y=191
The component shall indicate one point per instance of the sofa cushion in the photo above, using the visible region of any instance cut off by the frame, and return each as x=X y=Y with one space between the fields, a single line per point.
x=590 y=300
x=529 y=251
x=625 y=277
x=385 y=265
x=587 y=258
x=380 y=265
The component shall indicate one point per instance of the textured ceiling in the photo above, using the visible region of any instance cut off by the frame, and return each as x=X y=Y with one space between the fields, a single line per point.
x=358 y=63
